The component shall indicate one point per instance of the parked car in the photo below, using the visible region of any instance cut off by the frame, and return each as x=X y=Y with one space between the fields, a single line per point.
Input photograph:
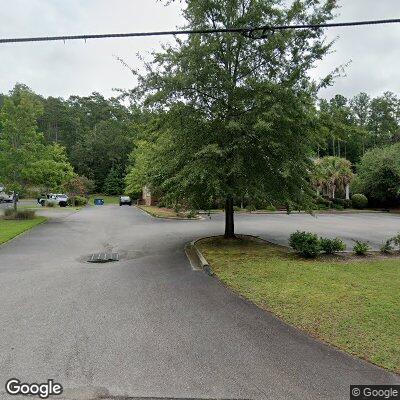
x=56 y=199
x=125 y=200
x=6 y=197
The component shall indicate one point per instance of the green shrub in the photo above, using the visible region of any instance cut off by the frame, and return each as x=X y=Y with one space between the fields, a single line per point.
x=271 y=208
x=191 y=214
x=379 y=174
x=251 y=207
x=9 y=213
x=337 y=207
x=343 y=202
x=387 y=247
x=323 y=200
x=332 y=246
x=77 y=201
x=361 y=248
x=396 y=240
x=305 y=243
x=359 y=201
x=50 y=204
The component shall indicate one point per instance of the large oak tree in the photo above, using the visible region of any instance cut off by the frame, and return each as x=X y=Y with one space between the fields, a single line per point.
x=238 y=112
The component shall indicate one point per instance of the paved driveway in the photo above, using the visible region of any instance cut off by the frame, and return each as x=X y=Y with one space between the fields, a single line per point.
x=149 y=325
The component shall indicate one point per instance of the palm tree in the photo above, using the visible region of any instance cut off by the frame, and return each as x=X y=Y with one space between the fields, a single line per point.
x=332 y=174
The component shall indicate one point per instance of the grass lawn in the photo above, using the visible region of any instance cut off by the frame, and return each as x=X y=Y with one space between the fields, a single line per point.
x=161 y=212
x=352 y=304
x=107 y=199
x=11 y=228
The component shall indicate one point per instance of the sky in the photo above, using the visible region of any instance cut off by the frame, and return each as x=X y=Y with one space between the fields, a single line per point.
x=79 y=68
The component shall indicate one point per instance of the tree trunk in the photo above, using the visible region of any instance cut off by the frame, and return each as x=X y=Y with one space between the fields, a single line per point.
x=229 y=219
x=347 y=192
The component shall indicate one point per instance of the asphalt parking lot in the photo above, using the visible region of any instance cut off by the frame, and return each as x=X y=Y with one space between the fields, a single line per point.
x=370 y=227
x=149 y=326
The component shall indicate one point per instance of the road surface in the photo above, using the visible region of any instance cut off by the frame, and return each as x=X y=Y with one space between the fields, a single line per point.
x=149 y=326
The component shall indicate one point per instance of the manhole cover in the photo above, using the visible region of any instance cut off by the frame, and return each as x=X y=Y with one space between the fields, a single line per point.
x=101 y=258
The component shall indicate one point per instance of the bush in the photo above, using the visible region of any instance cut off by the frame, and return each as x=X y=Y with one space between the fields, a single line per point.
x=77 y=201
x=396 y=240
x=379 y=174
x=323 y=203
x=343 y=202
x=305 y=243
x=251 y=208
x=359 y=201
x=271 y=208
x=50 y=204
x=9 y=213
x=332 y=246
x=361 y=248
x=191 y=214
x=387 y=247
x=338 y=207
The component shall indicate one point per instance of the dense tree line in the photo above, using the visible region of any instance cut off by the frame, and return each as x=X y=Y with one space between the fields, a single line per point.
x=215 y=118
x=94 y=134
x=351 y=127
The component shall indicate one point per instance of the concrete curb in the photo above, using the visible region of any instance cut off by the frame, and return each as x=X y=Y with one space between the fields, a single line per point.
x=196 y=258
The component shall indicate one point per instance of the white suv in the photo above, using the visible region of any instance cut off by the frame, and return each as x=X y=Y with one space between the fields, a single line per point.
x=59 y=199
x=6 y=198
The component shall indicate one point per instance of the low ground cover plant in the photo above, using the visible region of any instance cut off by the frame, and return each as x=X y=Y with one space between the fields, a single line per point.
x=391 y=245
x=361 y=248
x=77 y=201
x=343 y=203
x=309 y=245
x=191 y=214
x=323 y=203
x=305 y=243
x=387 y=247
x=11 y=214
x=332 y=246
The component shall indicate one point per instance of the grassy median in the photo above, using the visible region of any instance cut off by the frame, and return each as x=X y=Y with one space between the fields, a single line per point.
x=161 y=212
x=12 y=228
x=352 y=304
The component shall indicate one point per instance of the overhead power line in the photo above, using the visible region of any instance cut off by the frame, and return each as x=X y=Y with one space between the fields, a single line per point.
x=248 y=31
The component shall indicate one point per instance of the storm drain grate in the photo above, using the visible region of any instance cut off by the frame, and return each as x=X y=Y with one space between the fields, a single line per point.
x=101 y=258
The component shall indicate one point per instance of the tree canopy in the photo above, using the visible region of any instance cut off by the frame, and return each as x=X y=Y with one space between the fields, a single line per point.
x=239 y=113
x=379 y=174
x=24 y=156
